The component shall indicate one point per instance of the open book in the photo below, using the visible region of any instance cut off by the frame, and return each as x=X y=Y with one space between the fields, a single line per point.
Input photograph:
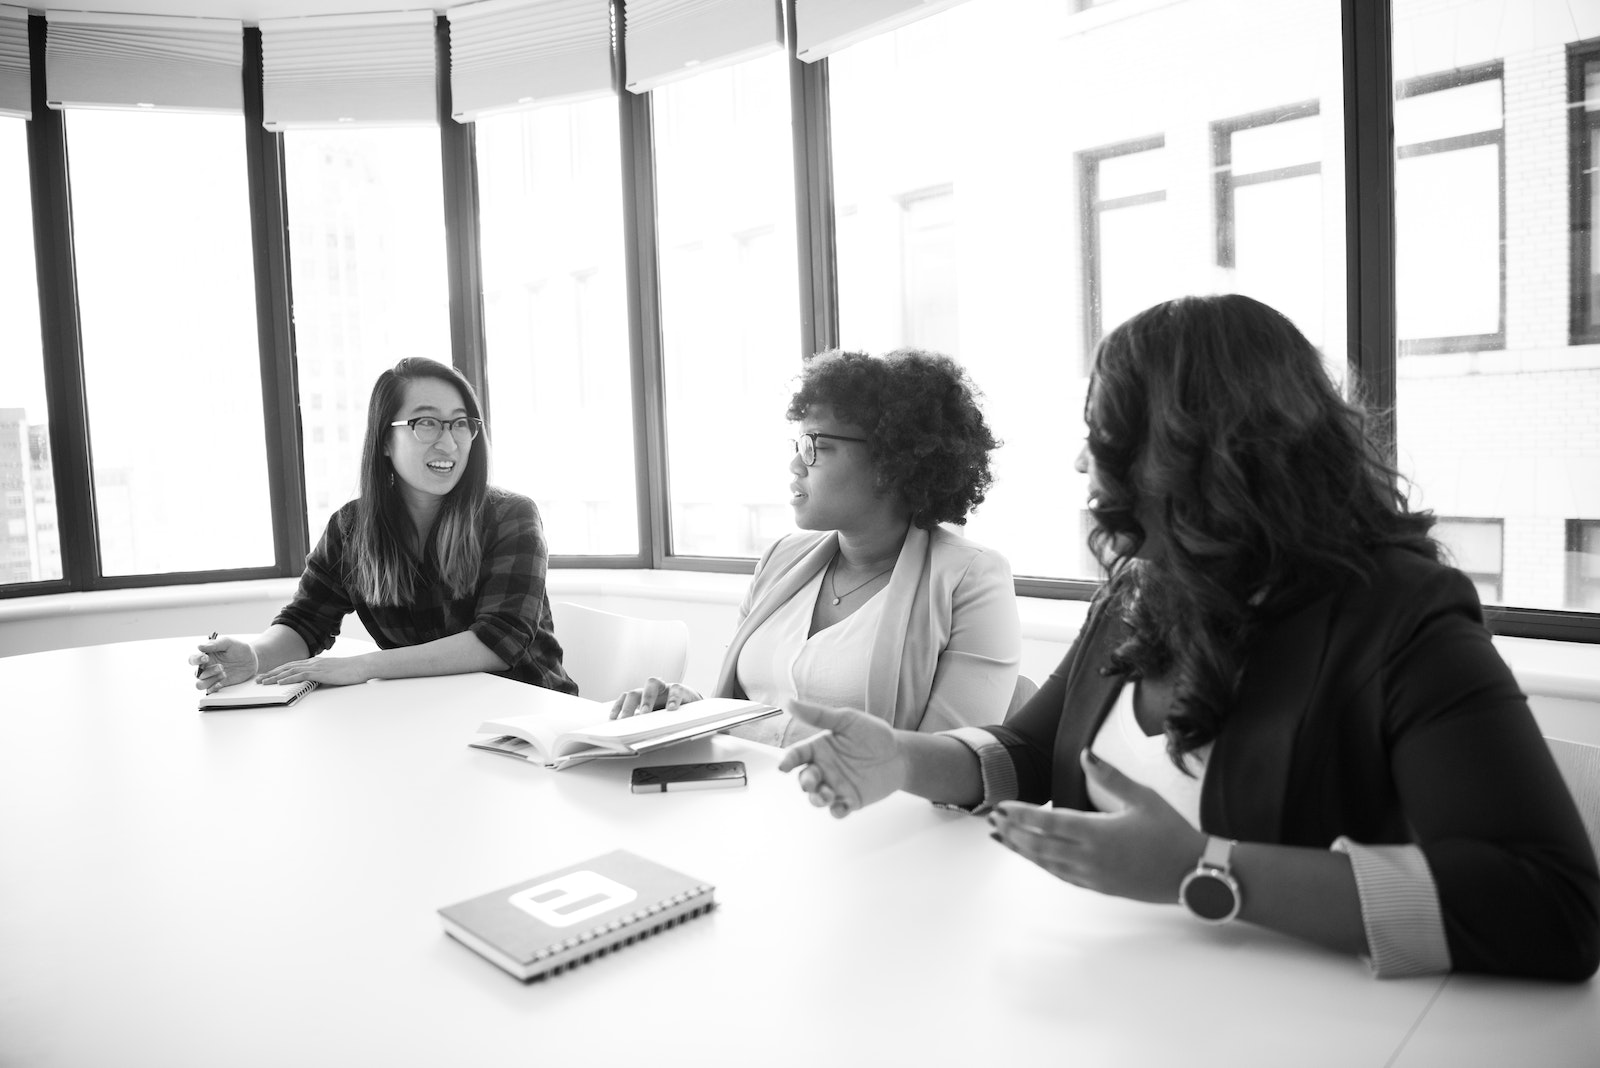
x=563 y=730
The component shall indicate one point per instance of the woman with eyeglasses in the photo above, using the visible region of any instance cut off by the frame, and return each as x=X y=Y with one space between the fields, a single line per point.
x=445 y=571
x=875 y=605
x=1284 y=707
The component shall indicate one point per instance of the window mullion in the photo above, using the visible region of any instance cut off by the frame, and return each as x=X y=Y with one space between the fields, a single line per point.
x=269 y=225
x=60 y=335
x=644 y=310
x=813 y=194
x=464 y=263
x=1369 y=205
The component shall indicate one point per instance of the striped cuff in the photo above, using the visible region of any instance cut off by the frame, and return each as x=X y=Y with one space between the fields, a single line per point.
x=994 y=764
x=1399 y=908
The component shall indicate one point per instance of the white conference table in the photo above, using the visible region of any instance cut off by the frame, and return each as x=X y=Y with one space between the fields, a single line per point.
x=258 y=887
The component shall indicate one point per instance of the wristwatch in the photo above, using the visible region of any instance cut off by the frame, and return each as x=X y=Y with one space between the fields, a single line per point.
x=1210 y=891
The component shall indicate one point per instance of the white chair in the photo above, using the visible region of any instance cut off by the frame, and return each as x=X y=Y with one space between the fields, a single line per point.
x=1020 y=696
x=1580 y=766
x=606 y=653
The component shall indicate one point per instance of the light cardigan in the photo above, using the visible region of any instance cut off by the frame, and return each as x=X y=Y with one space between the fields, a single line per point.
x=948 y=645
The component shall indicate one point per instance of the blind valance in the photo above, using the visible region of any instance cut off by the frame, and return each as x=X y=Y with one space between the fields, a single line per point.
x=332 y=70
x=101 y=60
x=670 y=39
x=511 y=53
x=16 y=96
x=823 y=27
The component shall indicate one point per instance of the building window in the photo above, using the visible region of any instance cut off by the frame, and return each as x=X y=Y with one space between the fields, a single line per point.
x=1268 y=190
x=1477 y=548
x=1584 y=94
x=1450 y=230
x=1583 y=564
x=1126 y=236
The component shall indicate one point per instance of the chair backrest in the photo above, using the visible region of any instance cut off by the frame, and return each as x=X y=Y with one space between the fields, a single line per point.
x=606 y=653
x=1580 y=766
x=1020 y=696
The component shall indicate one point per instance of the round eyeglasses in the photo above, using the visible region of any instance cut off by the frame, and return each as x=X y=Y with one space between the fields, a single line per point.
x=806 y=445
x=428 y=429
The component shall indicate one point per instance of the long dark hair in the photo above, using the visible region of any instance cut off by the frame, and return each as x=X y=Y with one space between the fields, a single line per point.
x=385 y=570
x=1214 y=418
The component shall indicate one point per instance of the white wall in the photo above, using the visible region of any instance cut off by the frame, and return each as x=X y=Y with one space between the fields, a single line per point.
x=1561 y=678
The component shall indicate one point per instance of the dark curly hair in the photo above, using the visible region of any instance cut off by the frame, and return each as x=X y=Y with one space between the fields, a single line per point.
x=1214 y=417
x=925 y=431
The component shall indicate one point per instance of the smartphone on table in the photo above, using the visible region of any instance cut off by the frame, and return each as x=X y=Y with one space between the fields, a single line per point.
x=662 y=778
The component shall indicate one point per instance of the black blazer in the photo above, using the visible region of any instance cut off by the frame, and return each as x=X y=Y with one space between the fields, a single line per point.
x=1384 y=713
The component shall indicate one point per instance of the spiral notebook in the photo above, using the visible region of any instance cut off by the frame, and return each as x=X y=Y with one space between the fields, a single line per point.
x=254 y=694
x=548 y=924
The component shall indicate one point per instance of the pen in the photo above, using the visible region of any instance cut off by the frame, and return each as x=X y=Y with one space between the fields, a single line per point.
x=201 y=667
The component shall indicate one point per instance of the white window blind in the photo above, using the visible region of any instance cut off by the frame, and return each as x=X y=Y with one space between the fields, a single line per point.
x=16 y=97
x=365 y=70
x=96 y=60
x=671 y=39
x=510 y=53
x=823 y=27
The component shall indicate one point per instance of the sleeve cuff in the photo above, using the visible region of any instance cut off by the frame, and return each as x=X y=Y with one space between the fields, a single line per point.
x=508 y=644
x=1399 y=908
x=994 y=764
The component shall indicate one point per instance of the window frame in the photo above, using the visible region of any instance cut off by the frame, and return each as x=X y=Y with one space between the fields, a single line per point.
x=1583 y=136
x=1369 y=92
x=1226 y=182
x=1432 y=83
x=1090 y=209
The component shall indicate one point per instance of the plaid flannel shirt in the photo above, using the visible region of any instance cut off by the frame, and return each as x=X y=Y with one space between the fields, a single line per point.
x=508 y=611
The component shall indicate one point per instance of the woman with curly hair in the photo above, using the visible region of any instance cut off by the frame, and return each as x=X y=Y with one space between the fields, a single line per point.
x=875 y=606
x=1282 y=708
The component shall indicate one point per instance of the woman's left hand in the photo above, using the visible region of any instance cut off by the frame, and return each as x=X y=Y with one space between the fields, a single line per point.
x=323 y=670
x=1141 y=851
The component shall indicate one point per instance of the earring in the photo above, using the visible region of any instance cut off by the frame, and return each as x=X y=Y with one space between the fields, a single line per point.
x=391 y=480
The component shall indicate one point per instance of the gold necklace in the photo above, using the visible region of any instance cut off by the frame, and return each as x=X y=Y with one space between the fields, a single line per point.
x=833 y=575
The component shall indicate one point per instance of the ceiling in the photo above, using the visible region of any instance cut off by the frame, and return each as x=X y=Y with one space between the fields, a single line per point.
x=249 y=11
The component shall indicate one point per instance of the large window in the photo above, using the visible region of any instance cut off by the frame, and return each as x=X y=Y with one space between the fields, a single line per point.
x=30 y=549
x=1014 y=178
x=366 y=240
x=730 y=303
x=555 y=311
x=166 y=302
x=1496 y=392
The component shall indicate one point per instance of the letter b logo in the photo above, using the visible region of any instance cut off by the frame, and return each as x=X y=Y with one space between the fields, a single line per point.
x=572 y=898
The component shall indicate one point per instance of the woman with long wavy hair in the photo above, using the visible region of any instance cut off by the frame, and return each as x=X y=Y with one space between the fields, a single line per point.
x=445 y=571
x=1283 y=707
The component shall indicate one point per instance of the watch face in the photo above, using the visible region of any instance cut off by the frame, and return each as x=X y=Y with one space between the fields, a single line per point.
x=1209 y=897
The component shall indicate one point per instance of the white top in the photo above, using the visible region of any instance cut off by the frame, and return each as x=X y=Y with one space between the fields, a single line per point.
x=1142 y=757
x=780 y=662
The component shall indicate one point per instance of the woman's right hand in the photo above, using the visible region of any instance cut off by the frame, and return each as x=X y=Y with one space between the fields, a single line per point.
x=653 y=695
x=856 y=761
x=223 y=662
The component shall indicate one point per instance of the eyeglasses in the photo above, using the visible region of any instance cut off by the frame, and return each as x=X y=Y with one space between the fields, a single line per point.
x=806 y=445
x=428 y=429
